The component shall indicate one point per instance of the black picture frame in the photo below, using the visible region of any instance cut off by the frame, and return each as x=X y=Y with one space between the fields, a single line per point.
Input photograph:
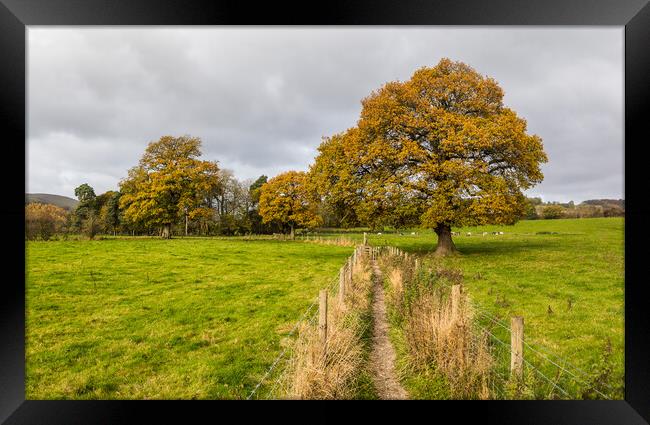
x=15 y=15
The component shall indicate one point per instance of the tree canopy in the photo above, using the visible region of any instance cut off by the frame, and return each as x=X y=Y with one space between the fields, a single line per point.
x=287 y=199
x=169 y=183
x=438 y=150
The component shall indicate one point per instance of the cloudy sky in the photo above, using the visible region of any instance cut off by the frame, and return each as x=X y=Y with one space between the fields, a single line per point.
x=262 y=98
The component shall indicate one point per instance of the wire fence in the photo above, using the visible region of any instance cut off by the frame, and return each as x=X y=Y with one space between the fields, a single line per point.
x=544 y=374
x=567 y=378
x=305 y=317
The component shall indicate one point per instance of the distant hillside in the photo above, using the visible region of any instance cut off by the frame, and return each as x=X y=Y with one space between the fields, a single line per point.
x=606 y=202
x=46 y=198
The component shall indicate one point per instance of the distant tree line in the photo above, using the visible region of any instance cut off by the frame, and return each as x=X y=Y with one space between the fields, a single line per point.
x=538 y=210
x=169 y=192
x=438 y=150
x=172 y=191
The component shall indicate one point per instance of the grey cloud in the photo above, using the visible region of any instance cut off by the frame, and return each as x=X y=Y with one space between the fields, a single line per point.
x=261 y=98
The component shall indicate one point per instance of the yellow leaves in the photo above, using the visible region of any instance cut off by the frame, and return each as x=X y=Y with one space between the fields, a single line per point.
x=49 y=212
x=440 y=144
x=169 y=180
x=287 y=199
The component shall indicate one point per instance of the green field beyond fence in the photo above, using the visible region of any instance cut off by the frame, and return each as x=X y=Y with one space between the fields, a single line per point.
x=178 y=319
x=136 y=318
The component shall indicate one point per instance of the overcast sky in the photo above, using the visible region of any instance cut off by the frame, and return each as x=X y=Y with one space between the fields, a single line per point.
x=262 y=98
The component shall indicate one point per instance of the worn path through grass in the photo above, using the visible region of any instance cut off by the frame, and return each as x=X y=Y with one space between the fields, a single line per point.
x=382 y=356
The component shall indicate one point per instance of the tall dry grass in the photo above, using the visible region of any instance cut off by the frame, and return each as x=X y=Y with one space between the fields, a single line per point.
x=338 y=241
x=315 y=372
x=435 y=337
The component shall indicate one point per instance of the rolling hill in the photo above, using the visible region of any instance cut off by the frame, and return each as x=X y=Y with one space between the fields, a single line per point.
x=46 y=198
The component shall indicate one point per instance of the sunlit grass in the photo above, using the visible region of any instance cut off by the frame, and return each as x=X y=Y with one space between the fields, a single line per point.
x=565 y=277
x=180 y=319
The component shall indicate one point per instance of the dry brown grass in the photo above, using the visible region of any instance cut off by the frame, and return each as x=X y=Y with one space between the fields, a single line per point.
x=395 y=278
x=435 y=336
x=315 y=373
x=338 y=241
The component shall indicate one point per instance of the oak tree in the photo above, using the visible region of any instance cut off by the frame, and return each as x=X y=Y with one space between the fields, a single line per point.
x=170 y=183
x=286 y=199
x=440 y=148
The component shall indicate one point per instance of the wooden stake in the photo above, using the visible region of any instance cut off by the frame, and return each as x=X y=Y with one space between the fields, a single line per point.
x=322 y=319
x=455 y=301
x=517 y=346
x=342 y=285
x=365 y=238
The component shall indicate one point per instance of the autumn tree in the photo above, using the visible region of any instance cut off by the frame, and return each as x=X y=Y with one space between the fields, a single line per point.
x=169 y=184
x=440 y=149
x=43 y=220
x=286 y=199
x=552 y=211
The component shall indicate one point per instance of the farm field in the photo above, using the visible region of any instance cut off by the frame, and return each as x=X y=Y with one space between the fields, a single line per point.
x=187 y=318
x=565 y=277
x=145 y=318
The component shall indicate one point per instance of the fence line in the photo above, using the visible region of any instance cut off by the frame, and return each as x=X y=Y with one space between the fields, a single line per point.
x=295 y=327
x=350 y=263
x=345 y=275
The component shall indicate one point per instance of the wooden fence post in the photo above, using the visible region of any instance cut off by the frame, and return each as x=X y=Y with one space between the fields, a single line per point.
x=455 y=301
x=517 y=346
x=365 y=238
x=350 y=271
x=342 y=285
x=322 y=319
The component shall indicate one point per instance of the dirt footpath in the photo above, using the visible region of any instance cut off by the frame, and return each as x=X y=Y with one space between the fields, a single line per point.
x=382 y=356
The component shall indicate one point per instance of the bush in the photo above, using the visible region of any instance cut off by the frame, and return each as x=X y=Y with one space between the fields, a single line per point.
x=552 y=211
x=44 y=221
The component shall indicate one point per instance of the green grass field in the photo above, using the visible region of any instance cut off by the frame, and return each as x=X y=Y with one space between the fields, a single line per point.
x=565 y=277
x=152 y=319
x=204 y=318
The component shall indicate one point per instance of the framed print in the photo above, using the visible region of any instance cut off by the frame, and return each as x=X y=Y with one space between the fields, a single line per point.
x=375 y=201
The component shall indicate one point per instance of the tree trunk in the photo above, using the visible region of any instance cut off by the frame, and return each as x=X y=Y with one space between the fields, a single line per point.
x=293 y=235
x=445 y=244
x=185 y=224
x=166 y=231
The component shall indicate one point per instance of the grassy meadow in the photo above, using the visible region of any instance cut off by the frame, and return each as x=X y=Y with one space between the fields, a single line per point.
x=153 y=319
x=565 y=277
x=140 y=318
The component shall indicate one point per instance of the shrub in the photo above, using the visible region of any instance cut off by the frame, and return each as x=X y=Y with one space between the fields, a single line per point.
x=552 y=211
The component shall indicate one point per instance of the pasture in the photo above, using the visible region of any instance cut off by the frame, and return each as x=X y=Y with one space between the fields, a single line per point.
x=565 y=277
x=153 y=319
x=139 y=318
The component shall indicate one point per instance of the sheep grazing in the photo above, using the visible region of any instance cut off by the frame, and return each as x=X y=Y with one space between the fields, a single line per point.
x=484 y=233
x=379 y=233
x=413 y=233
x=469 y=233
x=501 y=233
